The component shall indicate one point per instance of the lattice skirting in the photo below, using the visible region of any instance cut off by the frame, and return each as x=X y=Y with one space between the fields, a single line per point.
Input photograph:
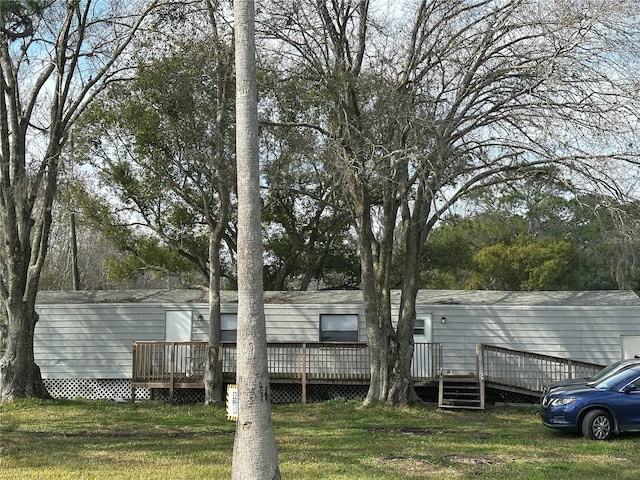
x=120 y=389
x=292 y=393
x=93 y=388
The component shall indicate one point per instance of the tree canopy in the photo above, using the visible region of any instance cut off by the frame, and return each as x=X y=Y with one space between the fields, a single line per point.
x=586 y=240
x=153 y=144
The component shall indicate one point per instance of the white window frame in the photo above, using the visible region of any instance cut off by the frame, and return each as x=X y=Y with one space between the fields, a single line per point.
x=229 y=327
x=338 y=327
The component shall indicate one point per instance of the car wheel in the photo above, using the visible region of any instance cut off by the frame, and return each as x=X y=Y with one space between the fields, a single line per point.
x=597 y=425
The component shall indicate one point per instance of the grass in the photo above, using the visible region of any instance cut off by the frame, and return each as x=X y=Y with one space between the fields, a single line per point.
x=334 y=440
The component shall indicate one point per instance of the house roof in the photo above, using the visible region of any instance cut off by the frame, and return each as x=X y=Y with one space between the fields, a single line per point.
x=425 y=297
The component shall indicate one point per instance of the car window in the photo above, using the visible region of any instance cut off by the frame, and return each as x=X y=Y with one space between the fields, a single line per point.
x=622 y=376
x=604 y=372
x=636 y=384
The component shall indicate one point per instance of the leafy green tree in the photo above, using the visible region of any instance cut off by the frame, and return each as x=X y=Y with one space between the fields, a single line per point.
x=527 y=264
x=308 y=240
x=448 y=260
x=163 y=147
x=18 y=17
x=605 y=233
x=599 y=229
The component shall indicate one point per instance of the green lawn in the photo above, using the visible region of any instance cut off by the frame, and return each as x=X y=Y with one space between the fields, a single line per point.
x=334 y=440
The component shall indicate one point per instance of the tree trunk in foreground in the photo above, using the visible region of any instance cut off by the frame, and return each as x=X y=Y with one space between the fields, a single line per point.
x=19 y=374
x=255 y=455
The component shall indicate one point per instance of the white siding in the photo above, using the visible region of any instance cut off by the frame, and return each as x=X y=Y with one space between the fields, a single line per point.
x=93 y=341
x=200 y=328
x=301 y=323
x=590 y=334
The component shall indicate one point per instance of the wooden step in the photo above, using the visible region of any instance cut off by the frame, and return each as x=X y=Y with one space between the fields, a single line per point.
x=461 y=392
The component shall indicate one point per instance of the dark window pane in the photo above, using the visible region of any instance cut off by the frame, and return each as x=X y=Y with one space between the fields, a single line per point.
x=229 y=336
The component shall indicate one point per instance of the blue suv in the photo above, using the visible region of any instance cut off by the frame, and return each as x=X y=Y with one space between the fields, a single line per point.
x=597 y=410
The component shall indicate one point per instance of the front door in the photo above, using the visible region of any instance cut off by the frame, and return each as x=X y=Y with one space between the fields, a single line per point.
x=178 y=329
x=177 y=326
x=630 y=345
x=422 y=358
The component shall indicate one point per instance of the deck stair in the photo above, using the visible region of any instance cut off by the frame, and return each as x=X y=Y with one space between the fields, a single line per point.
x=463 y=392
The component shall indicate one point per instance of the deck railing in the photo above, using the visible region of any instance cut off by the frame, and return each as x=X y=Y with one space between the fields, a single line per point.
x=162 y=362
x=528 y=371
x=181 y=364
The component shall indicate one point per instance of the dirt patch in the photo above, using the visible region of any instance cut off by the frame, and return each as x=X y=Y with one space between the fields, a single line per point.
x=404 y=430
x=471 y=460
x=426 y=431
x=159 y=432
x=407 y=464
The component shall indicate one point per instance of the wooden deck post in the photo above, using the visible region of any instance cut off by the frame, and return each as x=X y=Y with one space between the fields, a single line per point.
x=133 y=374
x=171 y=371
x=480 y=372
x=304 y=373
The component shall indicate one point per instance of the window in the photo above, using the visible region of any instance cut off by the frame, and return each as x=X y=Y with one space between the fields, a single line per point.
x=338 y=328
x=418 y=328
x=229 y=327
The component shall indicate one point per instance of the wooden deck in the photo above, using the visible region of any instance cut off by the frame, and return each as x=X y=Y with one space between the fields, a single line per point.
x=176 y=365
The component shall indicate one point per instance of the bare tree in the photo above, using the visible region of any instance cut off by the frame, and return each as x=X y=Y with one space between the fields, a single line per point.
x=473 y=93
x=255 y=455
x=55 y=57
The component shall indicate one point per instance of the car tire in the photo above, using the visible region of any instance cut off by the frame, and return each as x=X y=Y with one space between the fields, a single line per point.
x=597 y=425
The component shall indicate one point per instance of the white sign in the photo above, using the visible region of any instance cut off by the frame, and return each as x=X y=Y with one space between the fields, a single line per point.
x=232 y=402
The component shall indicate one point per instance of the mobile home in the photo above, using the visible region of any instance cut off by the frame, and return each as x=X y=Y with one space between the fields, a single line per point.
x=84 y=339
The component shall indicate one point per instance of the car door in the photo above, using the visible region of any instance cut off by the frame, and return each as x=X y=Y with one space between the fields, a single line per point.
x=628 y=408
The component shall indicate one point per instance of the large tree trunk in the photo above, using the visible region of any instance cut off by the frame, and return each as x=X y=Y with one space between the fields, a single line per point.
x=19 y=374
x=255 y=455
x=415 y=227
x=23 y=252
x=213 y=367
x=375 y=294
x=391 y=348
x=401 y=391
x=378 y=337
x=221 y=163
